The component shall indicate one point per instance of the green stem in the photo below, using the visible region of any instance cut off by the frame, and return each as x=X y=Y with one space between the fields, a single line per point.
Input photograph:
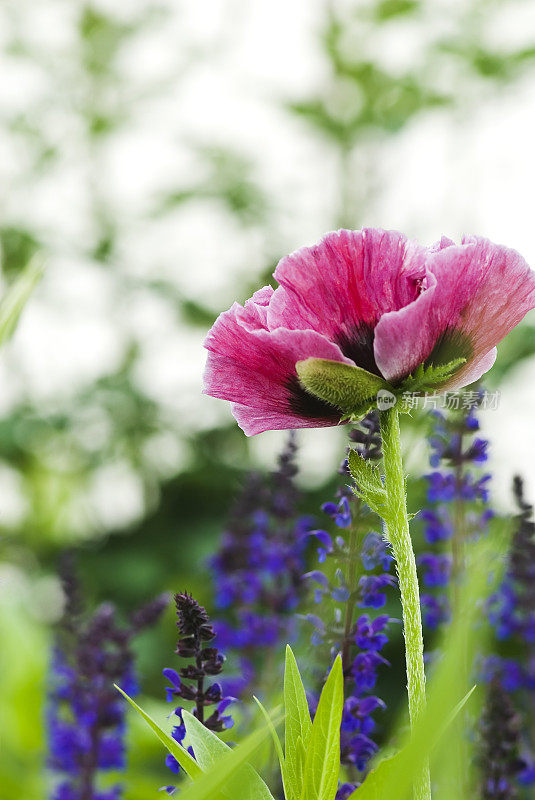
x=400 y=540
x=350 y=605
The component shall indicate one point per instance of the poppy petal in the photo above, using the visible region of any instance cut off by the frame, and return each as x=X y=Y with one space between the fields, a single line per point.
x=477 y=293
x=255 y=369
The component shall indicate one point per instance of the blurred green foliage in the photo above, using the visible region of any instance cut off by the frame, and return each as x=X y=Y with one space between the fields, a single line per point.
x=53 y=447
x=242 y=197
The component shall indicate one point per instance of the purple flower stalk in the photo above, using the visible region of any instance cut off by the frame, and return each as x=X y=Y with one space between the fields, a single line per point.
x=85 y=714
x=512 y=613
x=513 y=606
x=361 y=564
x=458 y=508
x=499 y=734
x=258 y=570
x=191 y=682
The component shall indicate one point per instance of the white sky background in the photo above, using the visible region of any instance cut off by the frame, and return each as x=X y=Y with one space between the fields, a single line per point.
x=445 y=174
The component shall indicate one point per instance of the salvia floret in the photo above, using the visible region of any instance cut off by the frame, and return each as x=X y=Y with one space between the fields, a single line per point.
x=458 y=510
x=191 y=682
x=85 y=715
x=512 y=613
x=257 y=571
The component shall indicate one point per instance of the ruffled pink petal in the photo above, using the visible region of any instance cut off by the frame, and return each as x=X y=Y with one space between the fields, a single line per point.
x=254 y=314
x=253 y=421
x=443 y=242
x=342 y=286
x=477 y=293
x=255 y=370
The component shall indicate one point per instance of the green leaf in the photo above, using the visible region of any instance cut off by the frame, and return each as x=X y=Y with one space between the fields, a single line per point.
x=459 y=707
x=301 y=755
x=209 y=750
x=341 y=385
x=207 y=746
x=322 y=765
x=375 y=786
x=188 y=764
x=365 y=473
x=213 y=783
x=278 y=748
x=274 y=734
x=229 y=774
x=369 y=486
x=430 y=377
x=16 y=297
x=397 y=770
x=298 y=726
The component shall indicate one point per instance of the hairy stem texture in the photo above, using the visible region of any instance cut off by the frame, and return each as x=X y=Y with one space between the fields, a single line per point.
x=400 y=540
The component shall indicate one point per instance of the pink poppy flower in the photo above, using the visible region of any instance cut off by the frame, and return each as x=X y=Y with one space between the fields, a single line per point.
x=372 y=299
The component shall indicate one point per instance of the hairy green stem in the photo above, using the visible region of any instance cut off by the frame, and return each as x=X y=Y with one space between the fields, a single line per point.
x=400 y=540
